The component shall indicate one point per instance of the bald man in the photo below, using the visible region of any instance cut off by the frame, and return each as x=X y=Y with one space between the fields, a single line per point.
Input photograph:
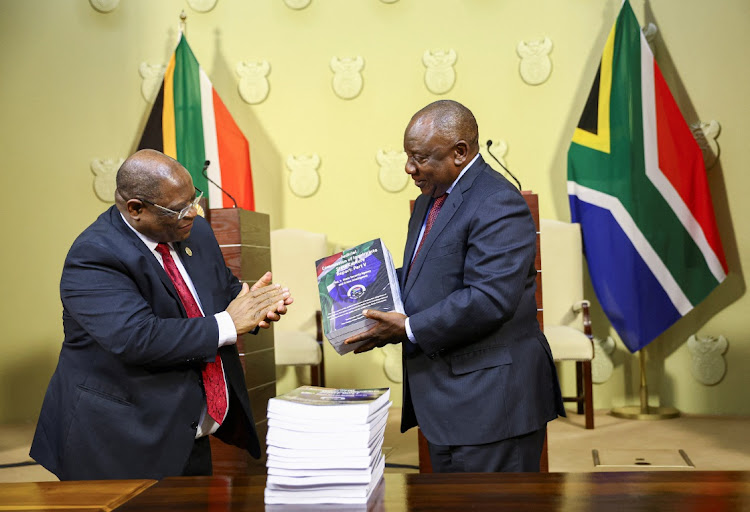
x=479 y=378
x=148 y=367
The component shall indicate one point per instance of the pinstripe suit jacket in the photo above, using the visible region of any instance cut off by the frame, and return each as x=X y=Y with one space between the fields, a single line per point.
x=484 y=371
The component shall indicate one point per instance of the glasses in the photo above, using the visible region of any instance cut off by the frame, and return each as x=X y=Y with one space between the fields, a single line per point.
x=181 y=214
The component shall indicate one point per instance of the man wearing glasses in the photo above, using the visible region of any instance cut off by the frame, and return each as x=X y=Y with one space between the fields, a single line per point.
x=148 y=367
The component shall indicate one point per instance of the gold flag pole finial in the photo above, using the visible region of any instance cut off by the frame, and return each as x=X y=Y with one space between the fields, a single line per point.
x=183 y=22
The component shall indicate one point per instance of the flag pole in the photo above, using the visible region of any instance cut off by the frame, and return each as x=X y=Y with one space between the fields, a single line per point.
x=644 y=411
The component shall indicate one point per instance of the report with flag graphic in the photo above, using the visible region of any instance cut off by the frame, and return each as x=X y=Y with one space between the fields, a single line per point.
x=351 y=281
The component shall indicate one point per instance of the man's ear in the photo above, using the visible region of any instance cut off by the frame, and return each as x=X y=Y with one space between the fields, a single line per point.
x=460 y=152
x=135 y=207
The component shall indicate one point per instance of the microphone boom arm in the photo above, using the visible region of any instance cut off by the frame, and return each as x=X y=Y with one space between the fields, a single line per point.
x=489 y=143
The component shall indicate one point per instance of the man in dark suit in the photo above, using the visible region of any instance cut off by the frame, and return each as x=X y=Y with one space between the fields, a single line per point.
x=479 y=378
x=151 y=315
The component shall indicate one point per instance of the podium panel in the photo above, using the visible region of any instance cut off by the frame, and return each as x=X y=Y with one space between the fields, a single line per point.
x=245 y=241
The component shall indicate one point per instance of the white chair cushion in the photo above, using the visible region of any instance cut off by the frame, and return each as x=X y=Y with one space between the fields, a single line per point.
x=568 y=344
x=296 y=348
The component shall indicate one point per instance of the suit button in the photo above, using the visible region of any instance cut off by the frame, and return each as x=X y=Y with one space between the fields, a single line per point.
x=432 y=356
x=194 y=425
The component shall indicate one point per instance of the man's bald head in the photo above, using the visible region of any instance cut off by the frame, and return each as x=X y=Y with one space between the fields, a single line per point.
x=145 y=173
x=152 y=189
x=451 y=120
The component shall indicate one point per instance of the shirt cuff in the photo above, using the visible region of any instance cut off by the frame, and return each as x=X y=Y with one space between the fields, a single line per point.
x=227 y=331
x=410 y=334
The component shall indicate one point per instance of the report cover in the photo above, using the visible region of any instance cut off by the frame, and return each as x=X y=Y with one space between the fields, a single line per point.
x=351 y=281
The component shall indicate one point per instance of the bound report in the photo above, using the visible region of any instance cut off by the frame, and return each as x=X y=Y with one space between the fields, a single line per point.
x=351 y=281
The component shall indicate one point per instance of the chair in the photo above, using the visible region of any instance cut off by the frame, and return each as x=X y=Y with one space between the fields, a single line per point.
x=567 y=324
x=298 y=337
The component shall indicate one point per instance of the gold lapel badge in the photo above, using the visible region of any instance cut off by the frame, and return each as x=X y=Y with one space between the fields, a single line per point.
x=188 y=251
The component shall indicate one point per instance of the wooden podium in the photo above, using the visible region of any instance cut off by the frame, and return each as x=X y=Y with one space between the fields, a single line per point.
x=533 y=201
x=245 y=241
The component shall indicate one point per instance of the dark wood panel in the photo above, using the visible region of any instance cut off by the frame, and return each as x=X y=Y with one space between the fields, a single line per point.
x=259 y=397
x=233 y=259
x=254 y=262
x=244 y=238
x=260 y=368
x=260 y=341
x=726 y=491
x=235 y=226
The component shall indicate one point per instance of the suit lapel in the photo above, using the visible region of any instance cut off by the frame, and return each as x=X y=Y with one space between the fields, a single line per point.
x=117 y=221
x=415 y=225
x=447 y=212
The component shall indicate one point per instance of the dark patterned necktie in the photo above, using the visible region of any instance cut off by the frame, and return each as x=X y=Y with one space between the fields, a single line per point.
x=434 y=210
x=213 y=374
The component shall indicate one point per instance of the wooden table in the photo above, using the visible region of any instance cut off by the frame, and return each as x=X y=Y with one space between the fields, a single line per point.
x=103 y=495
x=623 y=491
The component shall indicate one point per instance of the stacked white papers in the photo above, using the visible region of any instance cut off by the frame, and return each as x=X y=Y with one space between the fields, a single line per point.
x=325 y=445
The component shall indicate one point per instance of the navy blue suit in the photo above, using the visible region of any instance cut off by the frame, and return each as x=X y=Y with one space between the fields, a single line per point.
x=126 y=396
x=483 y=371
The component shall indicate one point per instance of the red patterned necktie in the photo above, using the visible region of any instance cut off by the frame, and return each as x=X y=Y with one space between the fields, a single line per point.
x=434 y=210
x=213 y=374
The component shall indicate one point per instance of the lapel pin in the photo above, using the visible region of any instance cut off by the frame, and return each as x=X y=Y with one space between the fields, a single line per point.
x=188 y=251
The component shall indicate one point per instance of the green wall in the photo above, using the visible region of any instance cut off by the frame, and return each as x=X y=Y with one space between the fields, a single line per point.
x=70 y=92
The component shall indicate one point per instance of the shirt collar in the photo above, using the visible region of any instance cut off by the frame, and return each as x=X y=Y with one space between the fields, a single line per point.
x=151 y=244
x=463 y=171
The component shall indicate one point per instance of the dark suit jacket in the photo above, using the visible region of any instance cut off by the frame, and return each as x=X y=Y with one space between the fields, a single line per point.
x=484 y=371
x=126 y=396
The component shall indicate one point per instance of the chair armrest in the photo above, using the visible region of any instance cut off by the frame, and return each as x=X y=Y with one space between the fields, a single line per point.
x=583 y=306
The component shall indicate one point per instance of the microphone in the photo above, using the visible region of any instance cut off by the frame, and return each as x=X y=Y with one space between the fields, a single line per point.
x=489 y=143
x=205 y=175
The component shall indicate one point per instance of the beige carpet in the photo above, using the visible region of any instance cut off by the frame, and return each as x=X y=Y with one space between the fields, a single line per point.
x=711 y=443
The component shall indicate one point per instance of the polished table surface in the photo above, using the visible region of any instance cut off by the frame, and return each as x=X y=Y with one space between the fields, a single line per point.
x=621 y=491
x=102 y=495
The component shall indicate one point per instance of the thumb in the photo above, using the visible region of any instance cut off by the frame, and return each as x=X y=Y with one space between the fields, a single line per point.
x=245 y=290
x=373 y=313
x=265 y=280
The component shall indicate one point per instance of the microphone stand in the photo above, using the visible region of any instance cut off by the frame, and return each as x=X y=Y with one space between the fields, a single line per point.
x=489 y=144
x=205 y=175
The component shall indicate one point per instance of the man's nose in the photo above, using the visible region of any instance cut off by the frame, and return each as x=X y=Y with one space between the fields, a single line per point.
x=410 y=168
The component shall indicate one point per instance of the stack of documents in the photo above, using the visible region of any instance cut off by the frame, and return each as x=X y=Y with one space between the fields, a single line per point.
x=325 y=445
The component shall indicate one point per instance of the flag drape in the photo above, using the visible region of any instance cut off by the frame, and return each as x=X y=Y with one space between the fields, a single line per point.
x=190 y=123
x=638 y=186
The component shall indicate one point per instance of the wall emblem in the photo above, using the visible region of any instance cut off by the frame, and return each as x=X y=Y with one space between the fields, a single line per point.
x=303 y=178
x=105 y=172
x=347 y=76
x=705 y=135
x=202 y=5
x=601 y=365
x=498 y=149
x=440 y=75
x=253 y=84
x=297 y=4
x=104 y=6
x=649 y=32
x=535 y=66
x=152 y=75
x=707 y=352
x=391 y=175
